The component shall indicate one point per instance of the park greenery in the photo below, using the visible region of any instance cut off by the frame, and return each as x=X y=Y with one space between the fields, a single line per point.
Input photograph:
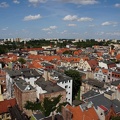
x=75 y=75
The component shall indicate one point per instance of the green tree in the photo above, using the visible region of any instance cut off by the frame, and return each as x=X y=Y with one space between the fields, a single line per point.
x=46 y=107
x=22 y=60
x=115 y=118
x=68 y=52
x=75 y=75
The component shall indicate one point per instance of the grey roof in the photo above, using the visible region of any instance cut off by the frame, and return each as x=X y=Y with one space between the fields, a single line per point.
x=31 y=73
x=16 y=114
x=23 y=72
x=94 y=83
x=14 y=73
x=62 y=77
x=38 y=116
x=102 y=100
x=116 y=83
x=49 y=86
x=77 y=102
x=116 y=104
x=23 y=85
x=109 y=92
x=46 y=64
x=89 y=94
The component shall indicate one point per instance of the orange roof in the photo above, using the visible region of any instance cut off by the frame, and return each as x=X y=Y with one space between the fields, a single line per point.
x=118 y=56
x=77 y=52
x=5 y=104
x=85 y=58
x=105 y=71
x=61 y=50
x=78 y=114
x=35 y=64
x=93 y=63
x=2 y=73
x=97 y=69
x=99 y=54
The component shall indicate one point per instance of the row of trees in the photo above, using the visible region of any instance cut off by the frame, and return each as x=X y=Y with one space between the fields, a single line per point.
x=39 y=43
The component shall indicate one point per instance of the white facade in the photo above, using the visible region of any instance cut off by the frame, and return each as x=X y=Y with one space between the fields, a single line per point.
x=86 y=66
x=39 y=91
x=101 y=76
x=9 y=83
x=31 y=80
x=68 y=87
x=103 y=65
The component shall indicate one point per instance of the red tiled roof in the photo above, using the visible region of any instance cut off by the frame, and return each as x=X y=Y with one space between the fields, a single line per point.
x=77 y=52
x=78 y=114
x=60 y=51
x=97 y=69
x=103 y=108
x=118 y=56
x=105 y=71
x=35 y=64
x=5 y=104
x=99 y=54
x=93 y=63
x=2 y=73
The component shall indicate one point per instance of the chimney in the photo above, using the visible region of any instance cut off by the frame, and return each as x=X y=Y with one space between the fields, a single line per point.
x=53 y=116
x=45 y=74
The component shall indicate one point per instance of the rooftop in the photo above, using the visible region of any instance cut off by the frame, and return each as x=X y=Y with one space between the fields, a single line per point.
x=23 y=85
x=48 y=86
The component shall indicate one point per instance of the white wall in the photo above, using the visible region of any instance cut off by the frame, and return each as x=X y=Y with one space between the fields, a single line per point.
x=68 y=87
x=103 y=65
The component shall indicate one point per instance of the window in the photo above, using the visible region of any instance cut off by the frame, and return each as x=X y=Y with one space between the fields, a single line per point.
x=66 y=86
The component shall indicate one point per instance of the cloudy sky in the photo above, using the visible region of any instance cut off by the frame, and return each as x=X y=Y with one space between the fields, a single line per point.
x=60 y=19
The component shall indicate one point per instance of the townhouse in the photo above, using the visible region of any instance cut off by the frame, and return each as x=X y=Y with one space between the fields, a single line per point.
x=101 y=74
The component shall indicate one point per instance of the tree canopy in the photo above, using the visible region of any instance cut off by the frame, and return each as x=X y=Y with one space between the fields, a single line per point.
x=115 y=118
x=75 y=75
x=22 y=60
x=47 y=106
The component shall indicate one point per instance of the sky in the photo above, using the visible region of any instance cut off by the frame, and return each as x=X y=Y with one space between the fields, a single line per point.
x=82 y=19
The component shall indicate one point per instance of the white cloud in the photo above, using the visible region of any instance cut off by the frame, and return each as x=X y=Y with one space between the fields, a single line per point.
x=53 y=27
x=70 y=18
x=36 y=2
x=16 y=1
x=75 y=17
x=4 y=5
x=82 y=2
x=84 y=19
x=71 y=25
x=32 y=17
x=117 y=5
x=107 y=23
x=64 y=32
x=5 y=28
x=49 y=28
x=114 y=33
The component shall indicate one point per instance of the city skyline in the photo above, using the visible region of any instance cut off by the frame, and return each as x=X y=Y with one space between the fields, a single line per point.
x=60 y=19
